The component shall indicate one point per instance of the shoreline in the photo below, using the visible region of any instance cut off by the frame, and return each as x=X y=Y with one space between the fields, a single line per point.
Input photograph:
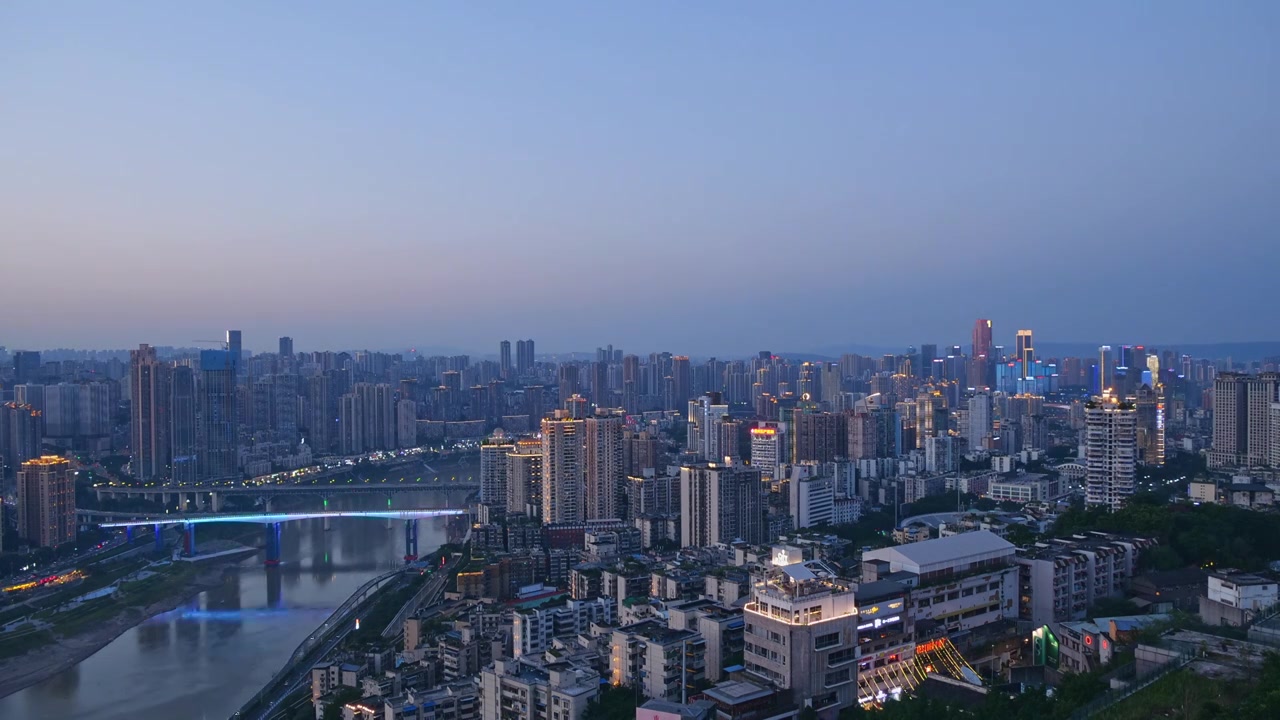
x=35 y=666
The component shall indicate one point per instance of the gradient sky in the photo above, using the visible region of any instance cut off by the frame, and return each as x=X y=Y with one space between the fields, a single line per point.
x=710 y=177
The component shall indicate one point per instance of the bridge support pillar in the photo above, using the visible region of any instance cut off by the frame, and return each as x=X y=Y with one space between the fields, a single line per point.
x=328 y=523
x=215 y=502
x=410 y=541
x=266 y=504
x=199 y=500
x=189 y=539
x=273 y=544
x=164 y=498
x=98 y=494
x=159 y=539
x=128 y=533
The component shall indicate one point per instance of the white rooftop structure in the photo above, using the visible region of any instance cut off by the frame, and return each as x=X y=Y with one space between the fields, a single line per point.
x=922 y=558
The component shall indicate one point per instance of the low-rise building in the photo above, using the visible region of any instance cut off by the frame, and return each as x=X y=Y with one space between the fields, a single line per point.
x=1060 y=579
x=957 y=583
x=525 y=690
x=532 y=630
x=1235 y=598
x=721 y=627
x=665 y=664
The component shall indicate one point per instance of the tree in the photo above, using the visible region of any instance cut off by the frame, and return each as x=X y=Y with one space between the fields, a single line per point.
x=340 y=697
x=615 y=702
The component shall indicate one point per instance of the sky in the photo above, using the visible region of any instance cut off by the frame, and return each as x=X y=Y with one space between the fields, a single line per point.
x=712 y=177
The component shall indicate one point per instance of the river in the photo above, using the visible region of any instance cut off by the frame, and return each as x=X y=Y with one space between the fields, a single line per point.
x=206 y=658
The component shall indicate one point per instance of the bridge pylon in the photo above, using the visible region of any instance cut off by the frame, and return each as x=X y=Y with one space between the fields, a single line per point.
x=273 y=544
x=410 y=541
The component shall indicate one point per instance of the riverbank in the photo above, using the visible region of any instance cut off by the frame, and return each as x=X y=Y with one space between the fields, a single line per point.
x=69 y=642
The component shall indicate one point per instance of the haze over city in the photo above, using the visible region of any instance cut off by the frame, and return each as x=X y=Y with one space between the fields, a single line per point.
x=712 y=179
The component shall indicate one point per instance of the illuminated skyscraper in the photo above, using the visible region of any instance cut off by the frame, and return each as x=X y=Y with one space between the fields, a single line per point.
x=494 y=470
x=1150 y=407
x=981 y=338
x=46 y=501
x=21 y=434
x=1026 y=353
x=1111 y=451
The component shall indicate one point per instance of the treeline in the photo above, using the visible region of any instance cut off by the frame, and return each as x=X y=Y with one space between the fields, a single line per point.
x=1197 y=535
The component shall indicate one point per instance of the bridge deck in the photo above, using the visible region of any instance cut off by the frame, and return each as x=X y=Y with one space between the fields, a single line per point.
x=268 y=518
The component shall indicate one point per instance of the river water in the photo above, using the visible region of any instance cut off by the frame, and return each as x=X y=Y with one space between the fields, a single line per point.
x=206 y=658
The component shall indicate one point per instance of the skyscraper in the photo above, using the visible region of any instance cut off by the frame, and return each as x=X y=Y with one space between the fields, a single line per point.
x=183 y=445
x=979 y=420
x=26 y=366
x=320 y=425
x=46 y=501
x=768 y=449
x=1111 y=451
x=351 y=424
x=981 y=338
x=563 y=466
x=234 y=347
x=286 y=348
x=818 y=436
x=21 y=434
x=680 y=386
x=1150 y=408
x=1026 y=353
x=1105 y=377
x=721 y=503
x=524 y=357
x=220 y=448
x=493 y=472
x=149 y=420
x=603 y=465
x=1243 y=432
x=524 y=479
x=504 y=359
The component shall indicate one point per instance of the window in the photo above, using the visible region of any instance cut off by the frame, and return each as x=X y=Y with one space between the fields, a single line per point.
x=953 y=596
x=842 y=656
x=823 y=642
x=836 y=677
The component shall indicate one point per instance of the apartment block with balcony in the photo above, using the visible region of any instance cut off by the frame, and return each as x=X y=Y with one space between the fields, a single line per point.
x=1061 y=579
x=720 y=626
x=664 y=663
x=533 y=630
x=523 y=690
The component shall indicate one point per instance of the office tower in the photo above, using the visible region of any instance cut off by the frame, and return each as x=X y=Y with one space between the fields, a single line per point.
x=681 y=385
x=1026 y=353
x=639 y=452
x=803 y=628
x=931 y=415
x=406 y=424
x=504 y=359
x=818 y=436
x=768 y=449
x=979 y=420
x=183 y=444
x=603 y=465
x=1150 y=409
x=149 y=420
x=524 y=479
x=21 y=434
x=981 y=338
x=524 y=357
x=1111 y=451
x=721 y=503
x=351 y=424
x=812 y=496
x=1105 y=378
x=320 y=424
x=928 y=354
x=46 y=501
x=567 y=381
x=286 y=348
x=219 y=453
x=494 y=470
x=563 y=466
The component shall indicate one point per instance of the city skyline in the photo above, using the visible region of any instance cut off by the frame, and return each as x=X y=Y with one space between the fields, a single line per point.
x=1068 y=171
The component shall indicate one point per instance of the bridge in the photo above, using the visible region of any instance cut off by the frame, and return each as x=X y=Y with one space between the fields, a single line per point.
x=272 y=522
x=196 y=495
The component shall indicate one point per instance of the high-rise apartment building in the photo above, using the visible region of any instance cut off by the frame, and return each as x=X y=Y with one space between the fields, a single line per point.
x=1111 y=451
x=21 y=435
x=1243 y=431
x=769 y=449
x=184 y=448
x=524 y=357
x=563 y=469
x=320 y=424
x=603 y=464
x=818 y=436
x=680 y=387
x=406 y=423
x=493 y=472
x=721 y=503
x=26 y=366
x=639 y=451
x=286 y=348
x=149 y=419
x=219 y=451
x=979 y=420
x=351 y=424
x=504 y=359
x=702 y=433
x=46 y=501
x=524 y=478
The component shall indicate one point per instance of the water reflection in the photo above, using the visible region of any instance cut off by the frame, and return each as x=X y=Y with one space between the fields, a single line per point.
x=205 y=658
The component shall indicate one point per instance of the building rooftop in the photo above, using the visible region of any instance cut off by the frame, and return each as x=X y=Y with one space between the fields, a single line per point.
x=930 y=555
x=737 y=691
x=1236 y=577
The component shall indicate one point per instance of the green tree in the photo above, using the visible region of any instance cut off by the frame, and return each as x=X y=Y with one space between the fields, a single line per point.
x=340 y=697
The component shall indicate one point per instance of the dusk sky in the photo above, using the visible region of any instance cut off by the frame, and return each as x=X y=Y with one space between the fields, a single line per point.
x=695 y=177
